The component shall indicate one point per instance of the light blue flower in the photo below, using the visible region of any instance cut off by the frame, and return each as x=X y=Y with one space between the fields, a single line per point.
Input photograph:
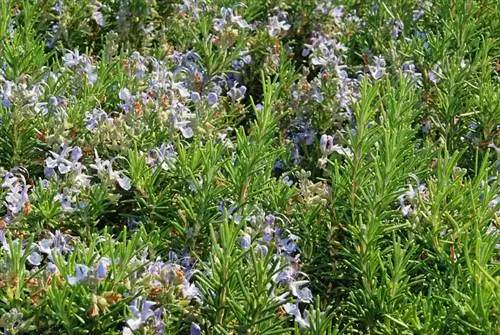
x=98 y=17
x=302 y=294
x=34 y=258
x=141 y=311
x=293 y=310
x=195 y=329
x=82 y=274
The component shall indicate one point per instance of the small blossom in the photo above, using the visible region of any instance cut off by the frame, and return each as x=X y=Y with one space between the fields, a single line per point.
x=195 y=96
x=141 y=310
x=212 y=98
x=378 y=69
x=127 y=98
x=245 y=241
x=98 y=18
x=302 y=294
x=277 y=25
x=190 y=290
x=102 y=268
x=417 y=14
x=34 y=258
x=397 y=29
x=323 y=143
x=123 y=181
x=237 y=93
x=82 y=273
x=337 y=13
x=293 y=310
x=195 y=329
x=436 y=73
x=94 y=118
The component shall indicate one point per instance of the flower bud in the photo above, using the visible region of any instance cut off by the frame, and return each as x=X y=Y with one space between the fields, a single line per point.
x=323 y=143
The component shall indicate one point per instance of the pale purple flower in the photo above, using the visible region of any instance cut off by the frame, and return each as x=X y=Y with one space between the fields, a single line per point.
x=54 y=32
x=105 y=168
x=277 y=25
x=293 y=310
x=66 y=202
x=238 y=20
x=59 y=161
x=237 y=93
x=302 y=294
x=219 y=24
x=411 y=70
x=418 y=14
x=186 y=130
x=316 y=94
x=324 y=56
x=57 y=242
x=261 y=250
x=6 y=93
x=246 y=58
x=139 y=64
x=164 y=156
x=287 y=181
x=34 y=258
x=195 y=96
x=17 y=192
x=127 y=98
x=100 y=165
x=436 y=73
x=16 y=198
x=98 y=18
x=245 y=241
x=52 y=268
x=287 y=244
x=82 y=64
x=82 y=274
x=227 y=18
x=58 y=7
x=212 y=98
x=426 y=126
x=323 y=143
x=378 y=69
x=195 y=329
x=158 y=323
x=494 y=203
x=322 y=8
x=190 y=290
x=45 y=246
x=41 y=108
x=270 y=218
x=406 y=210
x=54 y=101
x=462 y=64
x=102 y=268
x=192 y=7
x=72 y=59
x=141 y=311
x=76 y=153
x=94 y=118
x=3 y=240
x=337 y=13
x=397 y=29
x=89 y=70
x=9 y=180
x=123 y=180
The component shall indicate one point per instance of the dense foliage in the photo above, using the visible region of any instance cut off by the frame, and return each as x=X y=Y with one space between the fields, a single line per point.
x=254 y=167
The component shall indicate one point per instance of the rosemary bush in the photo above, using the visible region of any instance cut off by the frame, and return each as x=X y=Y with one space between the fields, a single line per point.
x=255 y=167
